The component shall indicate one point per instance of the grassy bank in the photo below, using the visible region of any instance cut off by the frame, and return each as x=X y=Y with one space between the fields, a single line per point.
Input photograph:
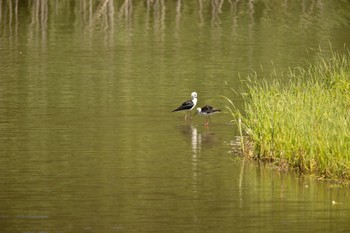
x=304 y=124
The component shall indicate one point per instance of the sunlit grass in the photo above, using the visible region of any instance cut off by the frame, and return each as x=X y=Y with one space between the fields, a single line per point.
x=303 y=124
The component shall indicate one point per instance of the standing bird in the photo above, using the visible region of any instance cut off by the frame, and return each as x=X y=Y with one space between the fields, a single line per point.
x=207 y=111
x=188 y=105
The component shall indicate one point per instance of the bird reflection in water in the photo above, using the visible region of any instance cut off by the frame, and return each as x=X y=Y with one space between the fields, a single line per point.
x=198 y=140
x=195 y=138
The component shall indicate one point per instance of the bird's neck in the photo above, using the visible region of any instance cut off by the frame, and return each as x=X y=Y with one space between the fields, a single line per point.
x=194 y=100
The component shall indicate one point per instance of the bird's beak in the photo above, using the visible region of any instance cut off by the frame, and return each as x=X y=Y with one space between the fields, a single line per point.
x=195 y=113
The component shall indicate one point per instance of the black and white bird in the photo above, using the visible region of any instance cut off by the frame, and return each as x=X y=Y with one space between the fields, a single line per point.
x=207 y=110
x=188 y=105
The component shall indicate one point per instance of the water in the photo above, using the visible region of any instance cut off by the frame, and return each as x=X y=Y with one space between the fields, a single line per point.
x=88 y=139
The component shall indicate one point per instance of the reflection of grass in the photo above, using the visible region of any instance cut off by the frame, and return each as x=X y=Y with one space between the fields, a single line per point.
x=304 y=124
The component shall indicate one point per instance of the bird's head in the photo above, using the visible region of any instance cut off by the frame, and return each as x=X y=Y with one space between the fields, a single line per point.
x=197 y=111
x=194 y=95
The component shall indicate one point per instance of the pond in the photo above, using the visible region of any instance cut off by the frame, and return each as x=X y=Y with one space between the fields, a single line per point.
x=89 y=142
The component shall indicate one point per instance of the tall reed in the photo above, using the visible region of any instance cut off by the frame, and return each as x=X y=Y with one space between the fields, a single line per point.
x=304 y=124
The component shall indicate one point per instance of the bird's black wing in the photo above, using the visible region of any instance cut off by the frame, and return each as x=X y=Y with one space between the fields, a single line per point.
x=207 y=109
x=187 y=105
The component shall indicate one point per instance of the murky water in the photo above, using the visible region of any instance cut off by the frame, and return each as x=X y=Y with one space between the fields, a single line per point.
x=88 y=140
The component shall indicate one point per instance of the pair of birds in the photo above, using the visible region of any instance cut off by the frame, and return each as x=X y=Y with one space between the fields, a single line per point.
x=188 y=105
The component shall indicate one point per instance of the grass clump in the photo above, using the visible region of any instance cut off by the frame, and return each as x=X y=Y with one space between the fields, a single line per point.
x=302 y=124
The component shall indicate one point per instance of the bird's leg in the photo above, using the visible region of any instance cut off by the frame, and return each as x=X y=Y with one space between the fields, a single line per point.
x=206 y=122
